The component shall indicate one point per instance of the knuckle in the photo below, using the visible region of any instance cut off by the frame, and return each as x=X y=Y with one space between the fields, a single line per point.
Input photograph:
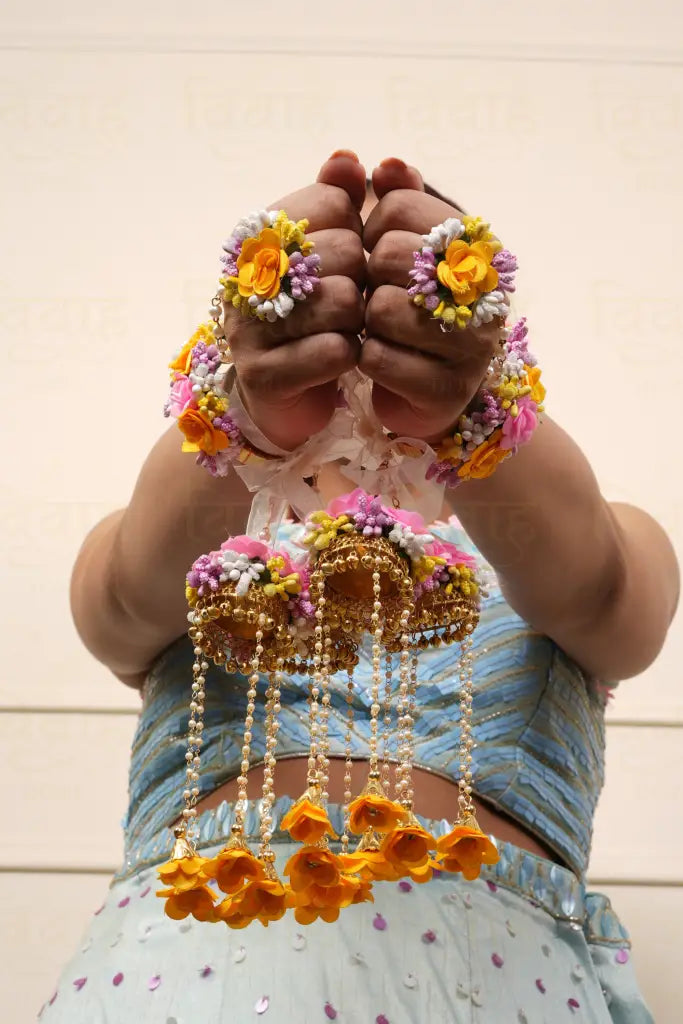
x=380 y=307
x=342 y=297
x=388 y=258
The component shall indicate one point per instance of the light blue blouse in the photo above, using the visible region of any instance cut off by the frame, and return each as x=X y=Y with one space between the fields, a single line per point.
x=538 y=725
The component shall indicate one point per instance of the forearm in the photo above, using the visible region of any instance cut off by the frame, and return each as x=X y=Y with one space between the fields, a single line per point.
x=128 y=584
x=542 y=523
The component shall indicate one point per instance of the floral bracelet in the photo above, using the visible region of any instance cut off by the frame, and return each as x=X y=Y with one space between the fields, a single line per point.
x=502 y=416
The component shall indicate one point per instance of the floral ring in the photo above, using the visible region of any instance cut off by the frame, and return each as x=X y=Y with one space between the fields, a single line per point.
x=462 y=275
x=268 y=265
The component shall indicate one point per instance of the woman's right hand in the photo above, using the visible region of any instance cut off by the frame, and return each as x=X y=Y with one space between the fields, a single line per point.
x=287 y=371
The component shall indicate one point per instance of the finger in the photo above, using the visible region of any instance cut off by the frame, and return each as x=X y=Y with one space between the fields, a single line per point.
x=393 y=173
x=341 y=254
x=336 y=305
x=344 y=170
x=432 y=393
x=391 y=315
x=289 y=370
x=406 y=210
x=392 y=258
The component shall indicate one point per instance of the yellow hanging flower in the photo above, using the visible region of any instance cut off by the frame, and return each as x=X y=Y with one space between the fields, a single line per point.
x=375 y=812
x=184 y=874
x=370 y=865
x=313 y=865
x=307 y=822
x=407 y=847
x=325 y=902
x=261 y=900
x=325 y=529
x=465 y=849
x=232 y=868
x=196 y=902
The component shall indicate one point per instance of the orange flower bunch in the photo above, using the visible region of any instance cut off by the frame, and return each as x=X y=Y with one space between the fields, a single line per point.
x=465 y=849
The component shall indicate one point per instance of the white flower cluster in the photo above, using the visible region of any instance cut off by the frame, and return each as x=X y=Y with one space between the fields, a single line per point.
x=248 y=227
x=412 y=543
x=201 y=380
x=473 y=434
x=281 y=306
x=238 y=568
x=489 y=305
x=441 y=236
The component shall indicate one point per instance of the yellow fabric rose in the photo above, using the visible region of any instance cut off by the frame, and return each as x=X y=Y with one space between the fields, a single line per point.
x=408 y=846
x=484 y=459
x=200 y=435
x=537 y=393
x=183 y=361
x=466 y=270
x=261 y=264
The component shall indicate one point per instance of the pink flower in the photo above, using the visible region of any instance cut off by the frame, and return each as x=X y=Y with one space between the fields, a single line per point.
x=452 y=553
x=518 y=429
x=244 y=545
x=347 y=504
x=181 y=395
x=412 y=519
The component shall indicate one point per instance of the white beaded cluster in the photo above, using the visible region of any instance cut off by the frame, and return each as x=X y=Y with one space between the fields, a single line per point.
x=238 y=568
x=489 y=306
x=441 y=236
x=412 y=543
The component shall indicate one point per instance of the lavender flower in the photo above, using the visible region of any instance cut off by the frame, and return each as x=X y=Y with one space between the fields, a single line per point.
x=303 y=274
x=232 y=249
x=505 y=263
x=423 y=274
x=371 y=519
x=204 y=575
x=206 y=355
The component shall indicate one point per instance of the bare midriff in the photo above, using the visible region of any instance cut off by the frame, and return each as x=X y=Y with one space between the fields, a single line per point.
x=435 y=797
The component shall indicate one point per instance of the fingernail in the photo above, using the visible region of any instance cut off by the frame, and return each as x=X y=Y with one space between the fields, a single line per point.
x=394 y=163
x=346 y=152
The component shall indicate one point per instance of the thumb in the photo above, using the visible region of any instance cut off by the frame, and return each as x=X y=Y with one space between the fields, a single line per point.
x=393 y=174
x=345 y=170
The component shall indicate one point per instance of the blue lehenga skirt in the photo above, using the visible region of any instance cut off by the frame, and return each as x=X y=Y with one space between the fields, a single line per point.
x=523 y=944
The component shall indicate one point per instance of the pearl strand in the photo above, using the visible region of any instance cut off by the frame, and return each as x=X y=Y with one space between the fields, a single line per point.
x=412 y=712
x=377 y=631
x=386 y=737
x=404 y=720
x=272 y=710
x=323 y=757
x=466 y=742
x=241 y=806
x=348 y=762
x=195 y=740
x=317 y=587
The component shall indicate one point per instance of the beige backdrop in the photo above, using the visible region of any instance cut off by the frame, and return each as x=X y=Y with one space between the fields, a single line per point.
x=132 y=137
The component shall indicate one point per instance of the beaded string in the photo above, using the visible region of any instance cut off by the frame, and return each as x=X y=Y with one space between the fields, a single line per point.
x=348 y=762
x=314 y=754
x=241 y=806
x=377 y=630
x=271 y=727
x=412 y=712
x=386 y=736
x=195 y=739
x=403 y=774
x=323 y=758
x=466 y=741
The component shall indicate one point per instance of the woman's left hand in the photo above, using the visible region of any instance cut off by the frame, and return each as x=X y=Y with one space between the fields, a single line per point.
x=423 y=377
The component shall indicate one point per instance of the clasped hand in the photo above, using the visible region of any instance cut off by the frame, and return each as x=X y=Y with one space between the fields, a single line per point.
x=360 y=316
